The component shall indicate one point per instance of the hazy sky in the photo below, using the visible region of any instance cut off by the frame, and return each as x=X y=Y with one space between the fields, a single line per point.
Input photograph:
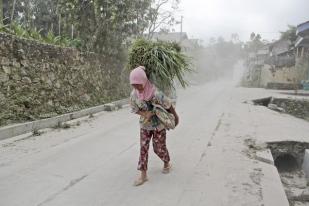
x=206 y=18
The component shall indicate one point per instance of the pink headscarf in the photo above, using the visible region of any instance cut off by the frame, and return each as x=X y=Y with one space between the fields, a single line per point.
x=138 y=76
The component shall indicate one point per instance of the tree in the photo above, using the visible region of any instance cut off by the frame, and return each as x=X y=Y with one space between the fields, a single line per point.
x=159 y=17
x=258 y=37
x=7 y=6
x=41 y=15
x=114 y=21
x=235 y=37
x=101 y=25
x=13 y=10
x=252 y=36
x=1 y=12
x=289 y=34
x=255 y=43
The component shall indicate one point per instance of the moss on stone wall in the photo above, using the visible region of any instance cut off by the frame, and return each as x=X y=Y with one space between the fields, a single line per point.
x=40 y=81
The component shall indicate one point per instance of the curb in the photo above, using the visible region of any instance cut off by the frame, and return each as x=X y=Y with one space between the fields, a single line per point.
x=265 y=156
x=272 y=189
x=18 y=129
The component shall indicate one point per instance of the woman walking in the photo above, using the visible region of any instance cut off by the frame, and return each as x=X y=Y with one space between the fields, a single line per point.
x=141 y=99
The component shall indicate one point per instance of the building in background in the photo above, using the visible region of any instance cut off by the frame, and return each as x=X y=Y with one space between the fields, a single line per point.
x=181 y=38
x=302 y=54
x=280 y=64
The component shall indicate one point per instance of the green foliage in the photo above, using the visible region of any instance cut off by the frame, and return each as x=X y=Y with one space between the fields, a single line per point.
x=255 y=43
x=100 y=26
x=18 y=30
x=289 y=34
x=15 y=29
x=34 y=34
x=163 y=62
x=4 y=28
x=77 y=43
x=51 y=38
x=63 y=41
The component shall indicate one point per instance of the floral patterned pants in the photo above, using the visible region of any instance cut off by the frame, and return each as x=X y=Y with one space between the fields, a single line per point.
x=159 y=146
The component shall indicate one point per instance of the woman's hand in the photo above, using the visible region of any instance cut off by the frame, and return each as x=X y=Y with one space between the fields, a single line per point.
x=176 y=120
x=173 y=111
x=146 y=114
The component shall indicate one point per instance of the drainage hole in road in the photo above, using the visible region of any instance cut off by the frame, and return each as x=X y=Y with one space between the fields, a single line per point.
x=292 y=161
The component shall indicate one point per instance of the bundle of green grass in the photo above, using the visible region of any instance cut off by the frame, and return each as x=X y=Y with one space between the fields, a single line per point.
x=164 y=62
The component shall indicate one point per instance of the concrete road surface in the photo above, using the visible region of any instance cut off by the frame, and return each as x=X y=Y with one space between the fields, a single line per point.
x=94 y=164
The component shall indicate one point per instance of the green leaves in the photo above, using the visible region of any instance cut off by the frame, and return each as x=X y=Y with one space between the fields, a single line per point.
x=163 y=62
x=51 y=38
x=289 y=34
x=34 y=34
x=16 y=29
x=4 y=28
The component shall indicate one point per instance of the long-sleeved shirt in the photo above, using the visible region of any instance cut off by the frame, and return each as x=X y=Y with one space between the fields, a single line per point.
x=140 y=105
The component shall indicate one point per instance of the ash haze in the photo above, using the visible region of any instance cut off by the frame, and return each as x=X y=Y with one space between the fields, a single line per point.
x=204 y=19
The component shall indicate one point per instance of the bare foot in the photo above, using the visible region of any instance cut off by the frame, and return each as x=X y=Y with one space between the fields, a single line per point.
x=167 y=168
x=140 y=181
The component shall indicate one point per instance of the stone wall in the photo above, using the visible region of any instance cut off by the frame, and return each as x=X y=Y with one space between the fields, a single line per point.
x=302 y=67
x=252 y=76
x=284 y=75
x=39 y=80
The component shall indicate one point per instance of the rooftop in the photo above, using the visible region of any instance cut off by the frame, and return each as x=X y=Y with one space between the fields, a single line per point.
x=279 y=47
x=303 y=29
x=172 y=36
